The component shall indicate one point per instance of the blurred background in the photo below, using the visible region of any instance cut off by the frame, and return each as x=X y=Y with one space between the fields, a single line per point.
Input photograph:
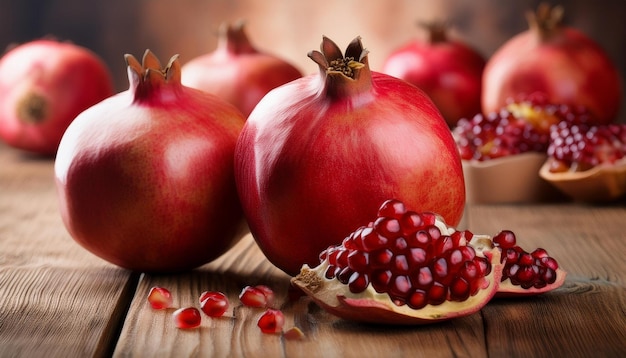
x=290 y=28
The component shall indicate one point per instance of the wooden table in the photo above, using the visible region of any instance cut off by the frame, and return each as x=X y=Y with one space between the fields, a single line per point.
x=57 y=299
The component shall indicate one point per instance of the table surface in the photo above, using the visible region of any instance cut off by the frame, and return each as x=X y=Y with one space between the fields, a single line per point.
x=57 y=299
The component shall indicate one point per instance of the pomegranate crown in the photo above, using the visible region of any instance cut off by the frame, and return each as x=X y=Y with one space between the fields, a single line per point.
x=332 y=61
x=150 y=74
x=546 y=20
x=232 y=38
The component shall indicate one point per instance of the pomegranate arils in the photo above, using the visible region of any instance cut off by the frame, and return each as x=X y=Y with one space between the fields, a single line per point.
x=413 y=261
x=271 y=321
x=213 y=304
x=186 y=318
x=160 y=298
x=579 y=146
x=524 y=269
x=257 y=296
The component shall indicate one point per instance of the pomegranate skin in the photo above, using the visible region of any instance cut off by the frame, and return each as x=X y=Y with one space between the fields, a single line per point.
x=237 y=71
x=562 y=63
x=145 y=178
x=44 y=85
x=448 y=70
x=318 y=155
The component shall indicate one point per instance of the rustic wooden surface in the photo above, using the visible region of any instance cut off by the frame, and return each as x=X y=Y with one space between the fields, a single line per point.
x=57 y=299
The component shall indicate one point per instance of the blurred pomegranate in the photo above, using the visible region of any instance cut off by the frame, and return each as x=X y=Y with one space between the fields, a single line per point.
x=44 y=85
x=448 y=70
x=236 y=71
x=563 y=63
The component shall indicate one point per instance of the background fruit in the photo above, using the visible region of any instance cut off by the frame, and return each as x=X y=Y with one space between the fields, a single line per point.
x=44 y=85
x=448 y=70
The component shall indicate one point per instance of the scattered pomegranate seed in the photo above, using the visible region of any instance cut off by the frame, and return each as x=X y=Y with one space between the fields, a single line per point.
x=293 y=334
x=257 y=296
x=187 y=318
x=160 y=298
x=213 y=304
x=271 y=321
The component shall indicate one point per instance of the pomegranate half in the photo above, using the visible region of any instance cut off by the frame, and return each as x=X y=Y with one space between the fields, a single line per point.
x=145 y=178
x=318 y=155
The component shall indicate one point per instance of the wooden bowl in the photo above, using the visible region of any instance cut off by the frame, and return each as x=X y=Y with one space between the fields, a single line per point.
x=599 y=184
x=512 y=179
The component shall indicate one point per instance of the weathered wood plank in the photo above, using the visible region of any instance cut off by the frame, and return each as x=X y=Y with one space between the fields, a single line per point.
x=56 y=299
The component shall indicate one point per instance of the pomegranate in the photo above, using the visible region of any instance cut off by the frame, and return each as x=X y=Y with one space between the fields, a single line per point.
x=448 y=70
x=560 y=61
x=319 y=154
x=145 y=179
x=236 y=71
x=521 y=126
x=404 y=267
x=525 y=273
x=408 y=267
x=44 y=85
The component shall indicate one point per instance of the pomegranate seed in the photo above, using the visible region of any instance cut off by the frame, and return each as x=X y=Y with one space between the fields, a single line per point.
x=271 y=321
x=392 y=208
x=256 y=296
x=505 y=239
x=160 y=298
x=213 y=304
x=269 y=294
x=186 y=318
x=293 y=333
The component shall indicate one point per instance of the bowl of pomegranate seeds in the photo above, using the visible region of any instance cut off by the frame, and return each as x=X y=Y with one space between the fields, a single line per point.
x=586 y=162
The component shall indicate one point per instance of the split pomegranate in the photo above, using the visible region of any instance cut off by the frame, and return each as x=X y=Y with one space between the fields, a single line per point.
x=187 y=318
x=525 y=273
x=448 y=70
x=560 y=61
x=160 y=298
x=404 y=267
x=237 y=71
x=576 y=147
x=145 y=179
x=213 y=304
x=271 y=321
x=318 y=155
x=44 y=85
x=408 y=267
x=523 y=125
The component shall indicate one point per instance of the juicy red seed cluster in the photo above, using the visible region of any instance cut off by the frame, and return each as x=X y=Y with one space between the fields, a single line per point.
x=402 y=253
x=535 y=269
x=579 y=147
x=509 y=132
x=496 y=135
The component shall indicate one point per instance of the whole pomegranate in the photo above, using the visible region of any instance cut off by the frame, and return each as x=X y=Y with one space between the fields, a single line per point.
x=318 y=155
x=559 y=61
x=44 y=85
x=448 y=70
x=145 y=178
x=236 y=71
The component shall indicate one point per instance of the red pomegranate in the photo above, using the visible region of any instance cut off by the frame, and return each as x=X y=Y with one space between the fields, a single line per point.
x=556 y=60
x=448 y=70
x=318 y=155
x=145 y=178
x=44 y=85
